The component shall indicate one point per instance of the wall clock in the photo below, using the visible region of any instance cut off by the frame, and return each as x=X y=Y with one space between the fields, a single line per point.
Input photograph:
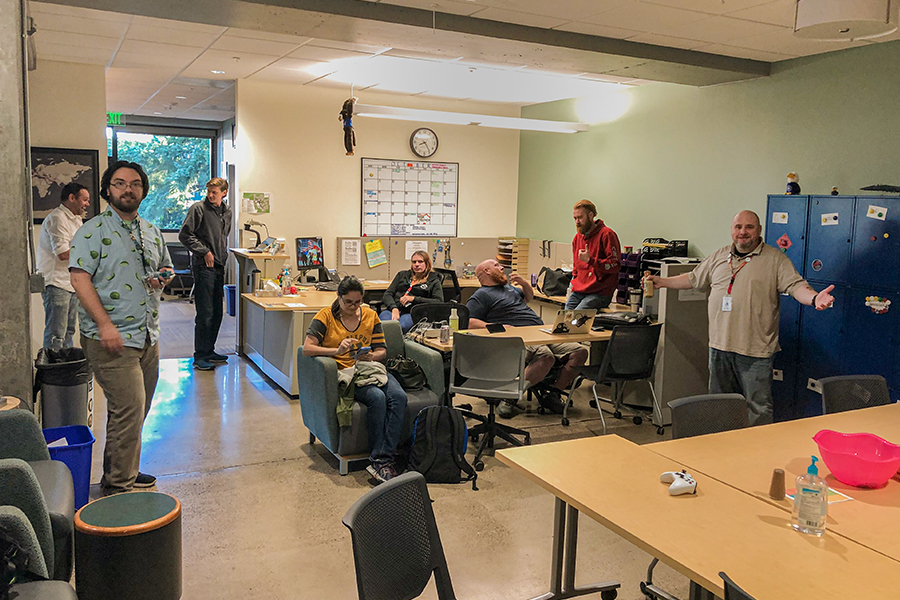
x=423 y=142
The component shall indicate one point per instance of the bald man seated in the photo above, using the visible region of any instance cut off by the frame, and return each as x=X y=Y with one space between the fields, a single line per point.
x=496 y=301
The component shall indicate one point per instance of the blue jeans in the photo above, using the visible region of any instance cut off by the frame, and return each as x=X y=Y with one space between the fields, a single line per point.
x=732 y=373
x=585 y=301
x=60 y=317
x=405 y=319
x=386 y=410
x=209 y=293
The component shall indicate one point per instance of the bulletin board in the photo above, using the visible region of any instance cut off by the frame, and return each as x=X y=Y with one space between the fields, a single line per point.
x=410 y=199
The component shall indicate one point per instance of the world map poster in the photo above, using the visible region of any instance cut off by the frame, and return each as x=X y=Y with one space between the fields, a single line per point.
x=53 y=168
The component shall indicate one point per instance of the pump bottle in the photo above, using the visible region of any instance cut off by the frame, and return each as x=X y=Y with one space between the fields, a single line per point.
x=810 y=502
x=454 y=320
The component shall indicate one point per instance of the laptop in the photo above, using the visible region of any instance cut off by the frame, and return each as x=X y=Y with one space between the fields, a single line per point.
x=572 y=321
x=265 y=245
x=332 y=284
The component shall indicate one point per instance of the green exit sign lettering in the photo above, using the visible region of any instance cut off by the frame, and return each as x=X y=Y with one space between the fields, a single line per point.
x=115 y=118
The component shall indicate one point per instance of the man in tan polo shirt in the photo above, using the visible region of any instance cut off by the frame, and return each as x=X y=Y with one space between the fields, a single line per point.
x=745 y=282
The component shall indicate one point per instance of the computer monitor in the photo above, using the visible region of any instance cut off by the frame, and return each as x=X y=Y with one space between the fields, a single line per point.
x=309 y=253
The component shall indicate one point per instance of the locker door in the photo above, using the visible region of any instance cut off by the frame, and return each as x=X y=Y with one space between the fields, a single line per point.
x=789 y=330
x=871 y=344
x=785 y=226
x=784 y=392
x=828 y=239
x=876 y=243
x=822 y=335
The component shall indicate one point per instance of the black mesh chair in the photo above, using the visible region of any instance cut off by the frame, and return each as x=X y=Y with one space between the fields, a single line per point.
x=494 y=370
x=452 y=292
x=732 y=591
x=630 y=356
x=440 y=311
x=700 y=415
x=396 y=544
x=183 y=282
x=849 y=392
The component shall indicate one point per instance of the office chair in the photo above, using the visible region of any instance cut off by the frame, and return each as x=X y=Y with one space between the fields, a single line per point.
x=440 y=311
x=16 y=526
x=452 y=292
x=732 y=591
x=396 y=544
x=700 y=415
x=849 y=392
x=630 y=356
x=494 y=370
x=181 y=264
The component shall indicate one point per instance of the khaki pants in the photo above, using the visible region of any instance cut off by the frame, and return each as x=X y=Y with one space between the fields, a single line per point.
x=128 y=380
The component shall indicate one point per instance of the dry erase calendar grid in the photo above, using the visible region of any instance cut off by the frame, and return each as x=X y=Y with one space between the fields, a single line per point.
x=409 y=198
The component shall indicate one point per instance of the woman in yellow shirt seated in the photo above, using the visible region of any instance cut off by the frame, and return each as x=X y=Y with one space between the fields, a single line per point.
x=348 y=332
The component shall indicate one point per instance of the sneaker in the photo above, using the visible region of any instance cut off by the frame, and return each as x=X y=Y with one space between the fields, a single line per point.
x=217 y=358
x=202 y=364
x=507 y=409
x=551 y=400
x=383 y=472
x=144 y=480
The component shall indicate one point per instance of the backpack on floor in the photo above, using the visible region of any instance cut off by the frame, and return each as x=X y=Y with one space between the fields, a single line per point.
x=440 y=438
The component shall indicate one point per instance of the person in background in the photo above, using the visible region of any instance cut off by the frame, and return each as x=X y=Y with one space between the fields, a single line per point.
x=119 y=265
x=745 y=282
x=496 y=301
x=205 y=234
x=419 y=285
x=595 y=260
x=57 y=231
x=349 y=332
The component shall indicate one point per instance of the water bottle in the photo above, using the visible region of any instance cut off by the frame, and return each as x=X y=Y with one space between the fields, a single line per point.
x=454 y=320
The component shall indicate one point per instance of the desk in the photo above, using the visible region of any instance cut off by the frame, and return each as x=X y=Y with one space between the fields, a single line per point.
x=531 y=335
x=616 y=483
x=246 y=262
x=745 y=458
x=273 y=330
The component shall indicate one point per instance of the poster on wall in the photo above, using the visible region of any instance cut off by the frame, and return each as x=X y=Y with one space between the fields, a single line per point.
x=256 y=202
x=409 y=198
x=54 y=168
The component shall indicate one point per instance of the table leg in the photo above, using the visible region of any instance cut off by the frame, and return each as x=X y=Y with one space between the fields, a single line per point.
x=562 y=566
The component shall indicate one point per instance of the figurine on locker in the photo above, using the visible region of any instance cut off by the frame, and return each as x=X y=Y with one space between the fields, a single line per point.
x=793 y=186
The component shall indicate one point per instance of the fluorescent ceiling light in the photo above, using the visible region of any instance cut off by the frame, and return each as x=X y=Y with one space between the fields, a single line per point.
x=454 y=118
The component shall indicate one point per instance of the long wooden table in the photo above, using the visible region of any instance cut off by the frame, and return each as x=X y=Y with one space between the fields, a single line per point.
x=616 y=483
x=531 y=335
x=745 y=458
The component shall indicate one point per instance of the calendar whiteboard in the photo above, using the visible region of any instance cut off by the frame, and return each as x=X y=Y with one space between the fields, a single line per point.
x=403 y=198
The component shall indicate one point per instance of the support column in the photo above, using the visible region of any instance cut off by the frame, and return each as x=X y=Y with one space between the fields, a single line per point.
x=15 y=317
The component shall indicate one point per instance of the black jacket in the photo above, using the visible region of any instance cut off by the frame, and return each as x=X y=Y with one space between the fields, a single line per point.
x=429 y=292
x=205 y=230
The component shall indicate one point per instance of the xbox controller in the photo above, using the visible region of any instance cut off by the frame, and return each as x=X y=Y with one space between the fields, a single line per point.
x=681 y=482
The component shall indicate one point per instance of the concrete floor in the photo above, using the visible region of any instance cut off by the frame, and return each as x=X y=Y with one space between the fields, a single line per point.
x=262 y=507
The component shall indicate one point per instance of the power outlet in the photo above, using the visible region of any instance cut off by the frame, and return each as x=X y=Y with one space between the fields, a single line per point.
x=814 y=385
x=777 y=375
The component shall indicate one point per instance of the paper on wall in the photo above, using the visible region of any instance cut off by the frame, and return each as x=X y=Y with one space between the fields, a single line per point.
x=876 y=212
x=829 y=219
x=256 y=202
x=375 y=253
x=349 y=252
x=415 y=246
x=780 y=217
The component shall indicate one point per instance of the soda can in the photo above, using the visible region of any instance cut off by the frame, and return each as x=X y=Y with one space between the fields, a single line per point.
x=445 y=334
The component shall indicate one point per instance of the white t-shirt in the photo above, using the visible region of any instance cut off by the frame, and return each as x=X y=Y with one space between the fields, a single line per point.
x=57 y=232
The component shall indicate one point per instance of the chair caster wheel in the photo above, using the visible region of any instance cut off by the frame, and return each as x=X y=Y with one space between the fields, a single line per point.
x=608 y=595
x=592 y=404
x=660 y=430
x=565 y=422
x=474 y=438
x=479 y=466
x=618 y=414
x=637 y=420
x=541 y=410
x=527 y=440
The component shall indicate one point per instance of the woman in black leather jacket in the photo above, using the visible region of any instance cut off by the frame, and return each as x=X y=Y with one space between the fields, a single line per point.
x=420 y=284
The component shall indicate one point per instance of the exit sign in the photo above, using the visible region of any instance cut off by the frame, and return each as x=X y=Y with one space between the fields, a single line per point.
x=115 y=118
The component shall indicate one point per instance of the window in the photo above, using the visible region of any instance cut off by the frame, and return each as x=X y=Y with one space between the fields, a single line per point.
x=178 y=163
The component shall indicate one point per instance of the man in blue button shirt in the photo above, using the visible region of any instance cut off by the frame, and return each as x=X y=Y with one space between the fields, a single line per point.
x=118 y=265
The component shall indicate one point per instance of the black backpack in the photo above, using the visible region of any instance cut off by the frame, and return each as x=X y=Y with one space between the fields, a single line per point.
x=440 y=438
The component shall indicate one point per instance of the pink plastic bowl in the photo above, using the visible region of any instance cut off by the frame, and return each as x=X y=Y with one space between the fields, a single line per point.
x=858 y=459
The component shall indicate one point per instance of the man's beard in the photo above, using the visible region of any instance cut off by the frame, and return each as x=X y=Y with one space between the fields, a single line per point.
x=585 y=229
x=499 y=278
x=126 y=203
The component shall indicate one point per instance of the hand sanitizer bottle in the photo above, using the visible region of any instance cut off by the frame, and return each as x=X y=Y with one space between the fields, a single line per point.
x=810 y=502
x=454 y=320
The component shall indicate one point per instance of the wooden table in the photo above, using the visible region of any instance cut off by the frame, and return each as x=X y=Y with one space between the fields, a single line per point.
x=616 y=483
x=383 y=284
x=531 y=335
x=745 y=458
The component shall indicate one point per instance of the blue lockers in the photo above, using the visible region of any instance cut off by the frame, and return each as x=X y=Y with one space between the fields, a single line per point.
x=852 y=242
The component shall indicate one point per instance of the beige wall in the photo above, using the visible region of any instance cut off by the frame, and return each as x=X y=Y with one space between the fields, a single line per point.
x=290 y=144
x=67 y=109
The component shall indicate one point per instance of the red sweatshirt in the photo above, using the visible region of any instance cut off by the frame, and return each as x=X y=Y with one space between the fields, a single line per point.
x=601 y=274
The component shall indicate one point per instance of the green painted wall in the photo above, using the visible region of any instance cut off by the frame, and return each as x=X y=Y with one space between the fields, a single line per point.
x=683 y=160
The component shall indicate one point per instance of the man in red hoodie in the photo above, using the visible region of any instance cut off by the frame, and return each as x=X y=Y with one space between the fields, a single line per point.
x=595 y=253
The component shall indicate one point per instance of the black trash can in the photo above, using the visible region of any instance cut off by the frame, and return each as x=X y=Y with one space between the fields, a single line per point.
x=65 y=384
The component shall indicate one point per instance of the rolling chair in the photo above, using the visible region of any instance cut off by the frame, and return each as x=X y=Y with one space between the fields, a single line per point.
x=850 y=392
x=630 y=356
x=732 y=591
x=494 y=370
x=396 y=544
x=18 y=528
x=181 y=264
x=701 y=415
x=452 y=292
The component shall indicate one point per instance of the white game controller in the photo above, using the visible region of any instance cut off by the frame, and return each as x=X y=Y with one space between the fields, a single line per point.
x=682 y=483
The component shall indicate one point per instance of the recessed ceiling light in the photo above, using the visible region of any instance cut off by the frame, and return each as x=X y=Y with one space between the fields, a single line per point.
x=216 y=72
x=181 y=97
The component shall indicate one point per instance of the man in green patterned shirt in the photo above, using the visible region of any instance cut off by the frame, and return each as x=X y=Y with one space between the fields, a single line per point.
x=118 y=265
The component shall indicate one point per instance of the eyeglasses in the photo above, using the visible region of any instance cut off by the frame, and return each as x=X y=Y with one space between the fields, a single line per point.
x=134 y=186
x=351 y=302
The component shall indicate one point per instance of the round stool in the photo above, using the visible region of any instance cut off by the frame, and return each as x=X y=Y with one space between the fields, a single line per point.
x=9 y=402
x=129 y=546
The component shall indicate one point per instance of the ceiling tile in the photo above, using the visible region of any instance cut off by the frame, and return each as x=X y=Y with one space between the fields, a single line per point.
x=183 y=25
x=713 y=7
x=746 y=53
x=265 y=35
x=133 y=60
x=571 y=10
x=75 y=24
x=76 y=11
x=158 y=75
x=721 y=30
x=232 y=43
x=645 y=17
x=220 y=60
x=598 y=30
x=668 y=41
x=520 y=18
x=320 y=54
x=780 y=12
x=279 y=75
x=151 y=50
x=352 y=47
x=72 y=54
x=46 y=38
x=144 y=31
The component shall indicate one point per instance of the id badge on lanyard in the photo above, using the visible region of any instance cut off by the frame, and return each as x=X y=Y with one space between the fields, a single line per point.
x=727 y=299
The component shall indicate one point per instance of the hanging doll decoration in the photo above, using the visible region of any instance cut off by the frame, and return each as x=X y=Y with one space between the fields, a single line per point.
x=347 y=117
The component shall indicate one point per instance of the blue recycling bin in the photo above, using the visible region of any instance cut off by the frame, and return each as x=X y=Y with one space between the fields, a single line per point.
x=231 y=299
x=76 y=455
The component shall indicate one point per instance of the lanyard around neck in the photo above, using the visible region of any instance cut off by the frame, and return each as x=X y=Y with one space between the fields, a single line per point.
x=139 y=246
x=734 y=272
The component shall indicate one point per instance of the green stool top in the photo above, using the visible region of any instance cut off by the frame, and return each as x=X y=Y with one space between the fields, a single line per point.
x=127 y=514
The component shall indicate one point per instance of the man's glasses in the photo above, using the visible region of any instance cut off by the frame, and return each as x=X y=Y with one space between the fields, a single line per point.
x=134 y=186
